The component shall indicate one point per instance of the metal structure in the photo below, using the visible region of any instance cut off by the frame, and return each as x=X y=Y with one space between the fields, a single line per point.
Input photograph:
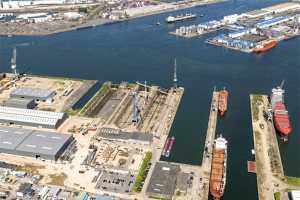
x=136 y=110
x=33 y=93
x=175 y=74
x=14 y=62
x=146 y=93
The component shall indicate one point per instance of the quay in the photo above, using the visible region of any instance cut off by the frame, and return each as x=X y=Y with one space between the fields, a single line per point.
x=208 y=148
x=269 y=169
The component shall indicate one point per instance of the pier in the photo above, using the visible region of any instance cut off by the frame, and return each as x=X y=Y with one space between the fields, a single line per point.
x=207 y=153
x=269 y=169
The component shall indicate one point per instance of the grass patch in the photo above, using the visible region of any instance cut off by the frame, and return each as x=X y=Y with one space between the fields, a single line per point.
x=293 y=180
x=95 y=102
x=58 y=179
x=256 y=99
x=137 y=187
x=277 y=195
x=30 y=169
x=72 y=112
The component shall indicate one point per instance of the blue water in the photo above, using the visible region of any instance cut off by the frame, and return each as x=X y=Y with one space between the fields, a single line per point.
x=140 y=50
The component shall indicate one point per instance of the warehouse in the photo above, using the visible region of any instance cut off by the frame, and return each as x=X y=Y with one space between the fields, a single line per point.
x=163 y=180
x=20 y=103
x=28 y=117
x=33 y=143
x=294 y=195
x=33 y=93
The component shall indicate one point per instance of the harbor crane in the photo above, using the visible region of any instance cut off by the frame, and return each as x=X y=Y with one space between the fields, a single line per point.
x=136 y=110
x=175 y=74
x=14 y=62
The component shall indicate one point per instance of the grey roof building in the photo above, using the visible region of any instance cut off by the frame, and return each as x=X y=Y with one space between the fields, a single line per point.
x=32 y=93
x=28 y=117
x=20 y=103
x=33 y=143
x=162 y=183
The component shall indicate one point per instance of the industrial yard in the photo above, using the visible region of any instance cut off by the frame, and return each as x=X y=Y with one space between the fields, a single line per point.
x=252 y=32
x=55 y=16
x=103 y=148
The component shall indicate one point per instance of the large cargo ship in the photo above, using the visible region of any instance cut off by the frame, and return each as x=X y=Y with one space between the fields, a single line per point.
x=177 y=18
x=265 y=46
x=169 y=148
x=280 y=114
x=222 y=104
x=218 y=168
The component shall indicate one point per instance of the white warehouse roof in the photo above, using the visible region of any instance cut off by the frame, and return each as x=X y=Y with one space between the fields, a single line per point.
x=30 y=117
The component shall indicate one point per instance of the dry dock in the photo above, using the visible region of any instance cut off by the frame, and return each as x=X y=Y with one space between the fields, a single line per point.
x=207 y=153
x=269 y=170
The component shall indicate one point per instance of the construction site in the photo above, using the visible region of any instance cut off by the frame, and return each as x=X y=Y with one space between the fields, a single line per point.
x=103 y=147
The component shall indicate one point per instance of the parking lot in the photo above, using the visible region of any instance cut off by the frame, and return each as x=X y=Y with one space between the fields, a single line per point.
x=115 y=182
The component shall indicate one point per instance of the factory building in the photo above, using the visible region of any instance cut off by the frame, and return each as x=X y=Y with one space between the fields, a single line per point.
x=20 y=103
x=256 y=13
x=28 y=117
x=294 y=195
x=33 y=93
x=33 y=143
x=274 y=21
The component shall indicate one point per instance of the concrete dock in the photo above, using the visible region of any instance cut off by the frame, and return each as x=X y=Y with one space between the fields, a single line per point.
x=269 y=169
x=207 y=153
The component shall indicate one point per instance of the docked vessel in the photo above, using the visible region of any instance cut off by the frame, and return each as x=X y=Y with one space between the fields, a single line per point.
x=281 y=117
x=170 y=146
x=222 y=104
x=166 y=146
x=265 y=46
x=171 y=19
x=218 y=168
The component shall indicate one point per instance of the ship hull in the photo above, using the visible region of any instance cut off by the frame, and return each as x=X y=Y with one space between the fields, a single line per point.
x=222 y=104
x=266 y=47
x=218 y=169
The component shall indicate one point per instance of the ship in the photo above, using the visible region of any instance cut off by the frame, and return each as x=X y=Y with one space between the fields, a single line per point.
x=166 y=146
x=222 y=103
x=265 y=46
x=281 y=117
x=218 y=168
x=169 y=148
x=172 y=19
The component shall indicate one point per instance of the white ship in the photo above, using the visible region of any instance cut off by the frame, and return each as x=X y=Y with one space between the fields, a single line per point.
x=177 y=18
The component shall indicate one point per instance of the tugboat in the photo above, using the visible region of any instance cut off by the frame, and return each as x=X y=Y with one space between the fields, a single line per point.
x=218 y=168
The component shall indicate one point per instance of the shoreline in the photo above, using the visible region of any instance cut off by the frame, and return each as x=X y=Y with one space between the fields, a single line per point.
x=100 y=22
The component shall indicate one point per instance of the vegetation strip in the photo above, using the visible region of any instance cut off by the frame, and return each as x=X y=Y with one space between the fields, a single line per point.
x=137 y=187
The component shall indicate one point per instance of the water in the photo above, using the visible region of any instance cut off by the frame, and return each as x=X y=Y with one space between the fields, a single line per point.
x=140 y=50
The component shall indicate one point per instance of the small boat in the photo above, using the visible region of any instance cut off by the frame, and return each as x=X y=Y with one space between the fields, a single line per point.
x=157 y=23
x=172 y=142
x=166 y=146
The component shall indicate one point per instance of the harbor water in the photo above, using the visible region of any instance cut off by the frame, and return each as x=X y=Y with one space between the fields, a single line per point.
x=140 y=50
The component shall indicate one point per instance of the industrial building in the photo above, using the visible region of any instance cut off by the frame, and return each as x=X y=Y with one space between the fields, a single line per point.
x=28 y=117
x=20 y=103
x=274 y=21
x=33 y=143
x=162 y=183
x=294 y=195
x=131 y=137
x=33 y=93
